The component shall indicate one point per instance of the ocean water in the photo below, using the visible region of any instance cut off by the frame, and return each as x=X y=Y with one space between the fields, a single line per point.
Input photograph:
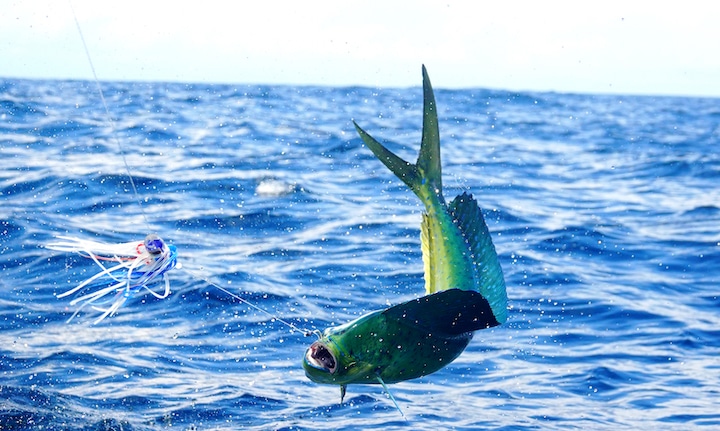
x=605 y=211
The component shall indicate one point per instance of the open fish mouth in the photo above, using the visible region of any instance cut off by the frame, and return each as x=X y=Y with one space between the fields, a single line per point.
x=318 y=356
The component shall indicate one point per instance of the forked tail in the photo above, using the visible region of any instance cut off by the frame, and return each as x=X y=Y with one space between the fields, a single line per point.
x=426 y=174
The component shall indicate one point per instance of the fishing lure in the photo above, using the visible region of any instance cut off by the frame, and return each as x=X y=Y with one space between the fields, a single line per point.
x=139 y=266
x=464 y=284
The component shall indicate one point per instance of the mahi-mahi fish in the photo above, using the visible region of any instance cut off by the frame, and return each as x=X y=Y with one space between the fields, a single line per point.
x=464 y=284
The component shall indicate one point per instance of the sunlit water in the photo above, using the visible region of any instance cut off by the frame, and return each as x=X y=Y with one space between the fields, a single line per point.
x=604 y=210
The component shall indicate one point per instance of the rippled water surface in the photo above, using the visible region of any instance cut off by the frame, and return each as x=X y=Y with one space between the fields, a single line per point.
x=604 y=210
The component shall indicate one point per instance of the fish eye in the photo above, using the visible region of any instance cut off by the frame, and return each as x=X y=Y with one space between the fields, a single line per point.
x=153 y=244
x=320 y=357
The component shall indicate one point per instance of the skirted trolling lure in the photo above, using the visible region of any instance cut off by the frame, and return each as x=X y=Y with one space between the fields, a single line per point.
x=464 y=284
x=138 y=266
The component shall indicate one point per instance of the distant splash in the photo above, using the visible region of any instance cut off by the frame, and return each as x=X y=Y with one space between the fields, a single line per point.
x=272 y=187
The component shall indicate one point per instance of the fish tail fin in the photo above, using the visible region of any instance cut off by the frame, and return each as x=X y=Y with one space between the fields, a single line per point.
x=427 y=172
x=429 y=159
x=404 y=170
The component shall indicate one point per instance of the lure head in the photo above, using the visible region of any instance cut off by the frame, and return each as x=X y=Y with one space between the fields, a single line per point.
x=154 y=245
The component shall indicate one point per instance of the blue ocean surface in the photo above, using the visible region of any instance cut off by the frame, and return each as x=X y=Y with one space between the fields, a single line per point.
x=604 y=209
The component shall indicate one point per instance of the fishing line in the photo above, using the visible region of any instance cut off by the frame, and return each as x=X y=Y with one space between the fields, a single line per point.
x=111 y=123
x=119 y=253
x=251 y=305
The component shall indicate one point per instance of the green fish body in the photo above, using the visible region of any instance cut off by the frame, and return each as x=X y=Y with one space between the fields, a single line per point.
x=464 y=284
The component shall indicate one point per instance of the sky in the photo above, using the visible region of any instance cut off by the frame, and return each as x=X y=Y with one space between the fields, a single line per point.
x=618 y=47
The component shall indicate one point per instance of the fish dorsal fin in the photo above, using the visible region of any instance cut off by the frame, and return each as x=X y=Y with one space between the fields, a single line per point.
x=487 y=273
x=452 y=312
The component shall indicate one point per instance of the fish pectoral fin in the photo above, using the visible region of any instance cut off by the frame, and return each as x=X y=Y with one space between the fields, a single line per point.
x=343 y=391
x=387 y=391
x=450 y=312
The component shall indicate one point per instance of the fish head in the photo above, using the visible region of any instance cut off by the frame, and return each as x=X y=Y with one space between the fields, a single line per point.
x=325 y=363
x=320 y=362
x=337 y=357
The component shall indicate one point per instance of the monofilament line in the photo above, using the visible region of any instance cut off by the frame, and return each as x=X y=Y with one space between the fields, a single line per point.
x=111 y=123
x=307 y=333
